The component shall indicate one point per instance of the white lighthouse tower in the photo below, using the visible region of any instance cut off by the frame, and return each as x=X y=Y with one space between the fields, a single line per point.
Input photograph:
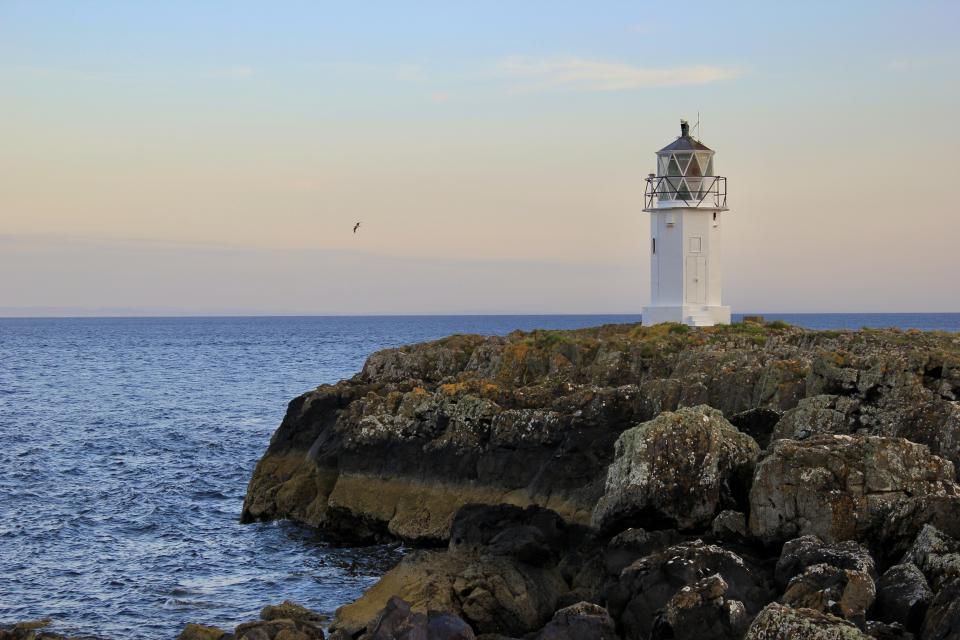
x=686 y=202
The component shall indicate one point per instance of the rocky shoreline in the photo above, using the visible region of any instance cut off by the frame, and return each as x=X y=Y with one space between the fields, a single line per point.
x=626 y=482
x=750 y=481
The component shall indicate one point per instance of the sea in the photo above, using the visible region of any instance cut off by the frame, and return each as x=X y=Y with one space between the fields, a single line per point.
x=126 y=445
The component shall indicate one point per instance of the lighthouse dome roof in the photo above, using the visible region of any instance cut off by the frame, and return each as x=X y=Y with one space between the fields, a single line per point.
x=685 y=142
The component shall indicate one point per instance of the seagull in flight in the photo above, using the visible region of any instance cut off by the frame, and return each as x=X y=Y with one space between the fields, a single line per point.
x=355 y=227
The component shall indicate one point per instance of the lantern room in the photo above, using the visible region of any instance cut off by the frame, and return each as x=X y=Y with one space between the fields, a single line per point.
x=685 y=175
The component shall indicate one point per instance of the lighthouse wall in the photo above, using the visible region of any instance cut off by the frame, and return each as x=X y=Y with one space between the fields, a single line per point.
x=685 y=269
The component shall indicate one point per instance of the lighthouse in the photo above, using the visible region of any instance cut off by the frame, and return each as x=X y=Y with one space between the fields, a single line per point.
x=686 y=202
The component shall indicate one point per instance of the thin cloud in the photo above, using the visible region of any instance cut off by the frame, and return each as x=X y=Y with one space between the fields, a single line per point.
x=591 y=75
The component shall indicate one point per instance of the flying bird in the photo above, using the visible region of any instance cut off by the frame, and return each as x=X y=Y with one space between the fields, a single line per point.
x=355 y=227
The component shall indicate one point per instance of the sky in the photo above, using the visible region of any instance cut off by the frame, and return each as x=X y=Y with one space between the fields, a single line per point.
x=213 y=157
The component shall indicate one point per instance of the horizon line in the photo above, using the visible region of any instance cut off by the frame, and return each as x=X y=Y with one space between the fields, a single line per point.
x=175 y=316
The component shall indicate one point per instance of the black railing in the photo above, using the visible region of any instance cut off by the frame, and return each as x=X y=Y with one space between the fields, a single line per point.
x=712 y=189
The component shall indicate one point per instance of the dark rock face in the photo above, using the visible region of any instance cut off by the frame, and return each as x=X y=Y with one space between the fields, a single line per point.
x=903 y=596
x=936 y=554
x=730 y=526
x=629 y=546
x=679 y=469
x=817 y=415
x=532 y=418
x=398 y=621
x=806 y=551
x=646 y=586
x=757 y=423
x=780 y=622
x=533 y=534
x=943 y=616
x=840 y=487
x=888 y=631
x=908 y=517
x=581 y=621
x=845 y=593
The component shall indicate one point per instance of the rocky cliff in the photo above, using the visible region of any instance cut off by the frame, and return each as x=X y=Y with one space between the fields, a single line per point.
x=533 y=418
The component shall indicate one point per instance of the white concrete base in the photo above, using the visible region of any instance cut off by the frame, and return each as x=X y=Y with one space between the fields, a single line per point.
x=694 y=315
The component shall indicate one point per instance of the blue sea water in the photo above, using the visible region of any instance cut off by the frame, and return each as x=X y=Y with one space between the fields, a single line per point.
x=126 y=445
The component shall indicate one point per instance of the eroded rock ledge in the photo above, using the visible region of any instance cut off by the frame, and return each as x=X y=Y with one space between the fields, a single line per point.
x=533 y=418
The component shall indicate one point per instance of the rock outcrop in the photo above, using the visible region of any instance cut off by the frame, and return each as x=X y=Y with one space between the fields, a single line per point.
x=532 y=418
x=507 y=582
x=285 y=621
x=679 y=469
x=840 y=487
x=780 y=622
x=806 y=551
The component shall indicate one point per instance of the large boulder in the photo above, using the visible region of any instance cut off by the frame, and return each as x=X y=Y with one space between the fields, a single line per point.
x=398 y=621
x=580 y=621
x=291 y=611
x=701 y=611
x=678 y=469
x=840 y=487
x=806 y=551
x=278 y=629
x=845 y=593
x=782 y=622
x=645 y=587
x=193 y=631
x=943 y=616
x=903 y=596
x=494 y=594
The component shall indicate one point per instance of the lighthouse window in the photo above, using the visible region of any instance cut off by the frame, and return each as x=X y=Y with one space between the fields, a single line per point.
x=695 y=244
x=673 y=169
x=653 y=246
x=683 y=159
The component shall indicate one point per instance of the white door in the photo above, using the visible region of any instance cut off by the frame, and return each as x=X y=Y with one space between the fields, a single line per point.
x=696 y=280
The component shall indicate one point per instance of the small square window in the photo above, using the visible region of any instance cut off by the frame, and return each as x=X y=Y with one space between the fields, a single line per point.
x=694 y=244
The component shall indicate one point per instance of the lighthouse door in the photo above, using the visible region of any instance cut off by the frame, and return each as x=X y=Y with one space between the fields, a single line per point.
x=696 y=280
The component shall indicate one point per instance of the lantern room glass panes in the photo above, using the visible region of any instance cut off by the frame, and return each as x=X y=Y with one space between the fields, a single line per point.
x=662 y=165
x=706 y=163
x=673 y=169
x=685 y=175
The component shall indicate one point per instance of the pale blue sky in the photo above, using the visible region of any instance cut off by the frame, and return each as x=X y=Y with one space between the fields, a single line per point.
x=211 y=157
